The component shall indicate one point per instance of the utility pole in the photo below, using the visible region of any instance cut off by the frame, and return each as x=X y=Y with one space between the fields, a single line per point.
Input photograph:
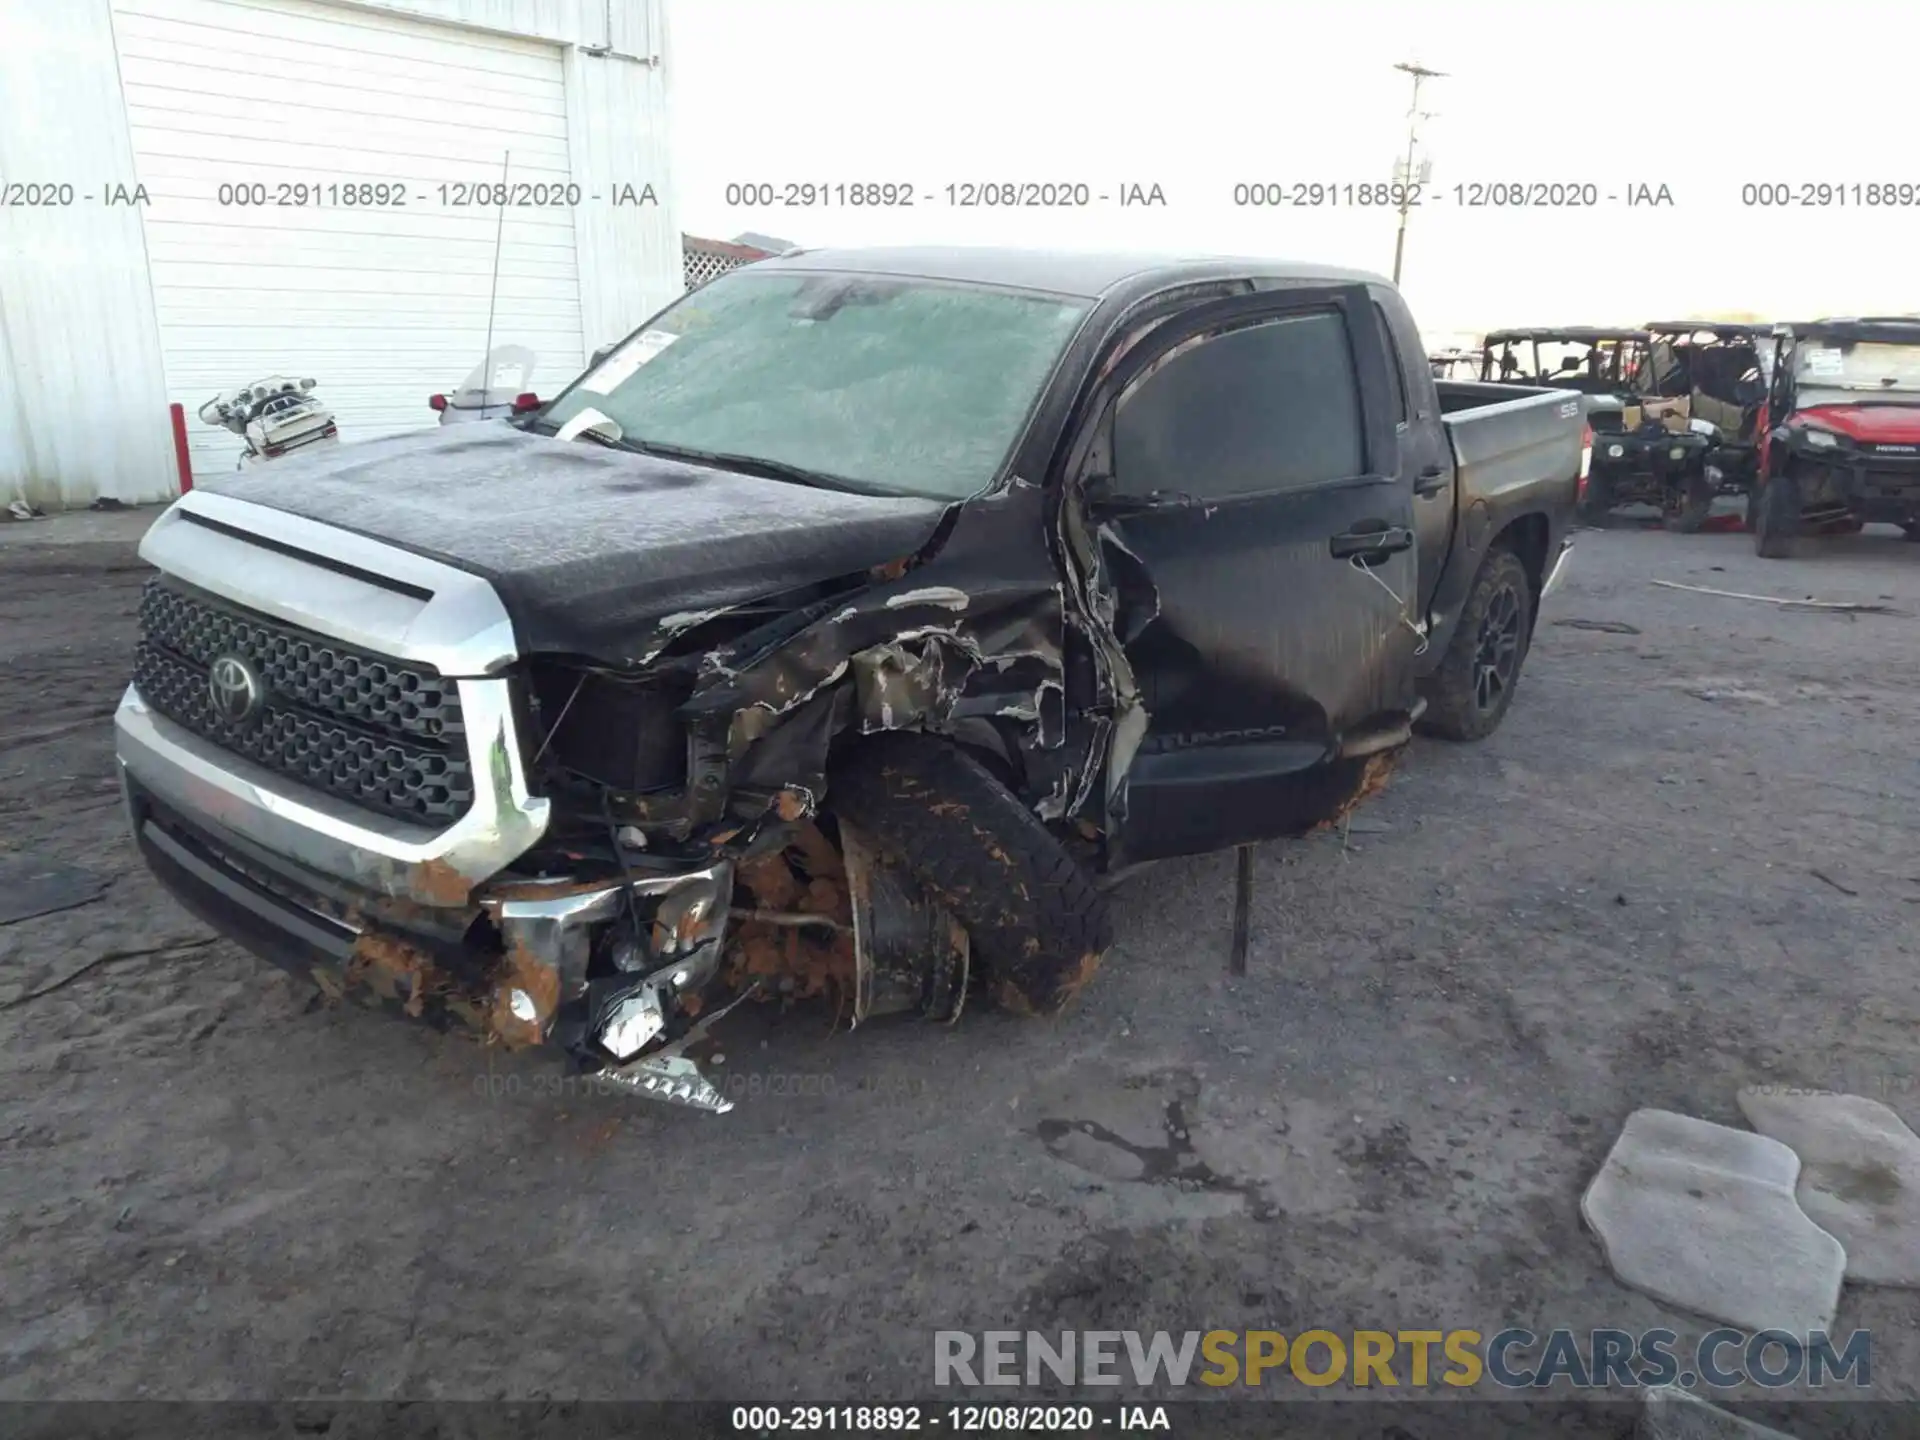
x=1410 y=176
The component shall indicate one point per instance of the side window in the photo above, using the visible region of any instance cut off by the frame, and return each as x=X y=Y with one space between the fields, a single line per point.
x=1273 y=406
x=1395 y=364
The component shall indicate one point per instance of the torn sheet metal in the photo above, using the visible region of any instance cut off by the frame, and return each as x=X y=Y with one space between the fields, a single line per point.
x=1098 y=601
x=977 y=629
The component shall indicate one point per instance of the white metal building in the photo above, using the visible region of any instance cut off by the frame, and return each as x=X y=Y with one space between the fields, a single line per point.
x=255 y=129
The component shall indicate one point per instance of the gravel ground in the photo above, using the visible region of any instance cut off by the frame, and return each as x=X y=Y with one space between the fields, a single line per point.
x=1684 y=864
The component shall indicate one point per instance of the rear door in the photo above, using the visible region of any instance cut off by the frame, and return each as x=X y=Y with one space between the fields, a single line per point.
x=1425 y=454
x=1259 y=505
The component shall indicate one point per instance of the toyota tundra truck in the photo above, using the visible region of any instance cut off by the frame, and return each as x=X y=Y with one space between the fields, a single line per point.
x=834 y=635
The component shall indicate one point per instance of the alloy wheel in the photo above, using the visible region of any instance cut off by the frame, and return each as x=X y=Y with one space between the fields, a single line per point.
x=1497 y=655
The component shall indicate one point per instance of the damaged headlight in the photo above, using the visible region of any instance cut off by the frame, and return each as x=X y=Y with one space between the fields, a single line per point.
x=610 y=963
x=687 y=932
x=633 y=1022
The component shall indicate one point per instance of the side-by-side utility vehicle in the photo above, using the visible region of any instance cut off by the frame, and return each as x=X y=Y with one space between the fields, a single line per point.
x=1593 y=361
x=1718 y=371
x=830 y=636
x=1644 y=452
x=1840 y=432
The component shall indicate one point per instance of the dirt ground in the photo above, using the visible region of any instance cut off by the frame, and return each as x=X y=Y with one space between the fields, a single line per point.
x=1686 y=863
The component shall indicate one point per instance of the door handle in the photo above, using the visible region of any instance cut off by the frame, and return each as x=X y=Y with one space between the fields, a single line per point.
x=1431 y=481
x=1388 y=540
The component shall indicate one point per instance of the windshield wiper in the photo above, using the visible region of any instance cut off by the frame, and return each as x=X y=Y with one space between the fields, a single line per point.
x=751 y=465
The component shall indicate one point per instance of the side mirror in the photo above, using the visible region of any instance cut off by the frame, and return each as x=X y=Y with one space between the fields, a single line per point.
x=307 y=384
x=210 y=412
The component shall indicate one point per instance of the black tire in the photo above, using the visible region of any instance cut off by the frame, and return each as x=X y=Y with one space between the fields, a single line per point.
x=1696 y=504
x=1911 y=529
x=1038 y=926
x=1468 y=696
x=1596 y=502
x=1776 y=517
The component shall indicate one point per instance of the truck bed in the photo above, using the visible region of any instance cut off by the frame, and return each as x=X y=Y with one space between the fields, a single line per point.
x=1508 y=439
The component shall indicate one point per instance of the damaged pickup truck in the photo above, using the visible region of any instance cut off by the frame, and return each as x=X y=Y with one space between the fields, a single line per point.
x=828 y=638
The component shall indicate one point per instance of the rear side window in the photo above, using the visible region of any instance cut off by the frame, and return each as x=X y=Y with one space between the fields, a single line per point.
x=1273 y=406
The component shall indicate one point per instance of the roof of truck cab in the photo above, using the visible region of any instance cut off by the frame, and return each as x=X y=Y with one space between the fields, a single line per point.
x=1087 y=274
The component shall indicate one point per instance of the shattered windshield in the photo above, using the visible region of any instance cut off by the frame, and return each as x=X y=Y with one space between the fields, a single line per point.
x=898 y=386
x=1864 y=366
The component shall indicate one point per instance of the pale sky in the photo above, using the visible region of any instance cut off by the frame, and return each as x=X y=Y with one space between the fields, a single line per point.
x=1198 y=95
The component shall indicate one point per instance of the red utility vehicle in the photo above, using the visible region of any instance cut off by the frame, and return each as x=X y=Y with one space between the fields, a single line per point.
x=1840 y=436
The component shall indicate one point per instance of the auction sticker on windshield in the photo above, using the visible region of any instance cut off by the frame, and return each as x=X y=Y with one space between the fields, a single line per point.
x=587 y=419
x=1826 y=362
x=618 y=368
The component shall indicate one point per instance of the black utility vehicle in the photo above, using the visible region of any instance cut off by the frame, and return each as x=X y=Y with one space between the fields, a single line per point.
x=1639 y=457
x=1595 y=362
x=1719 y=369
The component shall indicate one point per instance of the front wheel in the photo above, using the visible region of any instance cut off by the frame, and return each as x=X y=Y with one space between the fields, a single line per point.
x=1776 y=512
x=1596 y=499
x=1689 y=510
x=1038 y=925
x=1468 y=696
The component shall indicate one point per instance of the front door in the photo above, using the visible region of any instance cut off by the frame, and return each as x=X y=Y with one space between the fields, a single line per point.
x=1258 y=498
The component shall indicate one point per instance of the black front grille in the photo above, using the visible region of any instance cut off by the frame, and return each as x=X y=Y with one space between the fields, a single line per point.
x=378 y=732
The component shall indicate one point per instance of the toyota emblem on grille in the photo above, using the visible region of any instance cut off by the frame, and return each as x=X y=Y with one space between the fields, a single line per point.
x=235 y=689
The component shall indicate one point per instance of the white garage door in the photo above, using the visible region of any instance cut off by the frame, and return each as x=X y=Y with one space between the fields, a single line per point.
x=257 y=123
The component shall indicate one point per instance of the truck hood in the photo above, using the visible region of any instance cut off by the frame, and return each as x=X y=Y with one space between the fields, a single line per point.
x=591 y=550
x=1879 y=423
